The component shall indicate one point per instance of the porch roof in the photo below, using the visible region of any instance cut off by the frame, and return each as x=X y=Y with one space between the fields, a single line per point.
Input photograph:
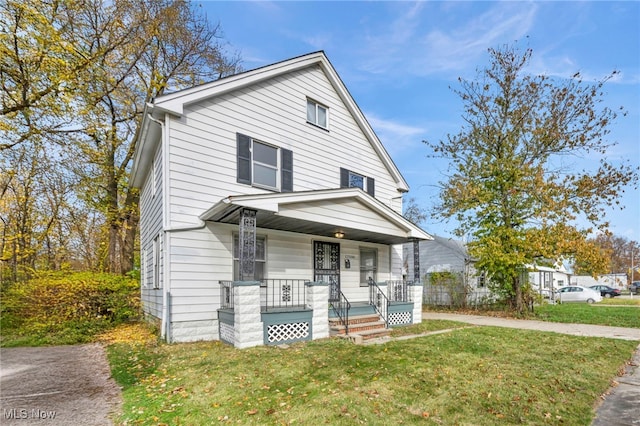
x=347 y=211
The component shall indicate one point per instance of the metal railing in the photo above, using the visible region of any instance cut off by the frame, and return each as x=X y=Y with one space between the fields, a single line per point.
x=341 y=307
x=380 y=301
x=226 y=294
x=283 y=294
x=399 y=291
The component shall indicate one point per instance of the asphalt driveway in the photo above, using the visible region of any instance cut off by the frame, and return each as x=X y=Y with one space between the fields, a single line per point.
x=57 y=385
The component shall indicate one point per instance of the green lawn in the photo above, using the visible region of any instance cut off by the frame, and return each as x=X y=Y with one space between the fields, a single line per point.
x=478 y=376
x=599 y=313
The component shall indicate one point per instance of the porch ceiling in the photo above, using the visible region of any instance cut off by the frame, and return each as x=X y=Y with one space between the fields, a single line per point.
x=292 y=212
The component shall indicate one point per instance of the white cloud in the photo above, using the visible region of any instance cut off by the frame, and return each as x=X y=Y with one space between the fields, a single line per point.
x=412 y=44
x=396 y=136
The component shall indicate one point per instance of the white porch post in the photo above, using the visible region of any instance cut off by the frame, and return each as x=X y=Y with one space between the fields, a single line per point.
x=318 y=301
x=416 y=294
x=248 y=326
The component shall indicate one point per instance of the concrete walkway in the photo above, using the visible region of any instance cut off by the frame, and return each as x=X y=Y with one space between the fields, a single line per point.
x=572 y=329
x=621 y=405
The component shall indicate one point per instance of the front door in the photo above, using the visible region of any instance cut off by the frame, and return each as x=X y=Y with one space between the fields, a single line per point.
x=326 y=266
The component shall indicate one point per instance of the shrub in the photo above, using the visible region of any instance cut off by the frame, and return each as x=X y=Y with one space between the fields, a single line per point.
x=68 y=307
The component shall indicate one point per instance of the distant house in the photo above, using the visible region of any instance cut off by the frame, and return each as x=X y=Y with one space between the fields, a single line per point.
x=265 y=198
x=618 y=281
x=446 y=255
x=546 y=280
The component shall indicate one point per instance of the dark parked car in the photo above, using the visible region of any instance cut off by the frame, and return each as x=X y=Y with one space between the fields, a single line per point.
x=606 y=291
x=634 y=288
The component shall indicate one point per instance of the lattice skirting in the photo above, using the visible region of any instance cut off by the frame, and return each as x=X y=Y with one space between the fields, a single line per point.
x=399 y=318
x=227 y=333
x=287 y=332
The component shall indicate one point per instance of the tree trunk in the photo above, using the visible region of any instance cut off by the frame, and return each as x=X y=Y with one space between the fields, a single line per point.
x=518 y=295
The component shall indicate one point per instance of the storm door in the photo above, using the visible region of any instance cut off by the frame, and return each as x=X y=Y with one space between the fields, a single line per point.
x=326 y=266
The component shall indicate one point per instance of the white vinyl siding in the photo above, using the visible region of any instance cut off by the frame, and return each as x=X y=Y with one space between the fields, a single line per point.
x=150 y=228
x=203 y=143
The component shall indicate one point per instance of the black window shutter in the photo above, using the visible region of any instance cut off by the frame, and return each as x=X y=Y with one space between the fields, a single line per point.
x=286 y=161
x=244 y=158
x=371 y=186
x=344 y=178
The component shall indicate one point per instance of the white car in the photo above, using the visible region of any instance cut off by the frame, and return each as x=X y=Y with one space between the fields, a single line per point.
x=577 y=293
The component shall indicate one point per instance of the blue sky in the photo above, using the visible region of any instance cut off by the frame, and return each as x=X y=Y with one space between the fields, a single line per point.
x=400 y=60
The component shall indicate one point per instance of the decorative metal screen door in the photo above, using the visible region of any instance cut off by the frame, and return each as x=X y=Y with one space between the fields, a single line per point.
x=326 y=266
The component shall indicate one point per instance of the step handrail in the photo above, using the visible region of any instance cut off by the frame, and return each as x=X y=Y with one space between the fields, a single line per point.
x=341 y=307
x=379 y=301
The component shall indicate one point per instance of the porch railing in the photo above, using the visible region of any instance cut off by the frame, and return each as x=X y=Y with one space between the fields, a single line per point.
x=341 y=307
x=226 y=294
x=380 y=301
x=278 y=294
x=399 y=291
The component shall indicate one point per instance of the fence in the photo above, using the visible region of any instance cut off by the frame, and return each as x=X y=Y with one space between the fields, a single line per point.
x=226 y=294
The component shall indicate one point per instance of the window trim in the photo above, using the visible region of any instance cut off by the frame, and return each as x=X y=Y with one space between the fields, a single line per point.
x=317 y=105
x=156 y=284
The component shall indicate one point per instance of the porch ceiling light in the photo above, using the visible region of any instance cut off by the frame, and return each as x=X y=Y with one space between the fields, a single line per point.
x=339 y=234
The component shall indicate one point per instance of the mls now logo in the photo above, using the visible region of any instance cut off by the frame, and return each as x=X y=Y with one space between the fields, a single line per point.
x=23 y=413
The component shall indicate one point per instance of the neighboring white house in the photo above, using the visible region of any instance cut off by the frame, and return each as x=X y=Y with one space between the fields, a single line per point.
x=447 y=255
x=618 y=281
x=546 y=280
x=266 y=192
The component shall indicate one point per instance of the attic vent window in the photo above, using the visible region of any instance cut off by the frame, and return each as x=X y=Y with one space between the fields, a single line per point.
x=317 y=114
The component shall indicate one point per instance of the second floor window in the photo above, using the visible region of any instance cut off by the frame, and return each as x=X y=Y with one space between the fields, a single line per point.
x=350 y=179
x=317 y=114
x=264 y=165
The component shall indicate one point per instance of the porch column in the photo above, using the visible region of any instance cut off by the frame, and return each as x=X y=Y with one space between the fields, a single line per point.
x=317 y=300
x=247 y=242
x=416 y=293
x=248 y=326
x=416 y=261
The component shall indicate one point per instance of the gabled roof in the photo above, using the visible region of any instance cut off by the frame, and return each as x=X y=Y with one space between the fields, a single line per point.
x=294 y=211
x=174 y=103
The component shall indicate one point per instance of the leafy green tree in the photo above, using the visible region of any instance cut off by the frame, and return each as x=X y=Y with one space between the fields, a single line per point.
x=620 y=252
x=512 y=186
x=75 y=78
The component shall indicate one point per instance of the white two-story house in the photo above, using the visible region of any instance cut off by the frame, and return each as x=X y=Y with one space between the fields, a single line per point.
x=267 y=202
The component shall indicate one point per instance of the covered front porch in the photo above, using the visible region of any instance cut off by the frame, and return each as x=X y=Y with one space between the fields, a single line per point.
x=303 y=258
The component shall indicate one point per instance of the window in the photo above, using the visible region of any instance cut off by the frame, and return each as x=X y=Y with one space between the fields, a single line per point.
x=156 y=262
x=368 y=265
x=356 y=181
x=350 y=179
x=143 y=268
x=317 y=114
x=261 y=257
x=264 y=165
x=481 y=279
